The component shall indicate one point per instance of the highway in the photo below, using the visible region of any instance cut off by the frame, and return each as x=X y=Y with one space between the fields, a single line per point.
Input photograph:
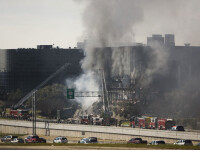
x=108 y=129
x=69 y=148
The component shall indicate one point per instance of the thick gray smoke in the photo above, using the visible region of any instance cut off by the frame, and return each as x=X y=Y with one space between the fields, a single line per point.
x=180 y=17
x=157 y=63
x=110 y=24
x=107 y=24
x=114 y=23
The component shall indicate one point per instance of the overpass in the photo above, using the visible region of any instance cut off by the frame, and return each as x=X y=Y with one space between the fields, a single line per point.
x=102 y=132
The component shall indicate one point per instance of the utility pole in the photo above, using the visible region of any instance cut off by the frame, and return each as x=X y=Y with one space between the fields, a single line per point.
x=34 y=112
x=47 y=133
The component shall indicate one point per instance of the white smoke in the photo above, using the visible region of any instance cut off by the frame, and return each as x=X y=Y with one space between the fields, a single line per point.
x=86 y=82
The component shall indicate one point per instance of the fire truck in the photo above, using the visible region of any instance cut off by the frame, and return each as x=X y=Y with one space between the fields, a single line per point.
x=97 y=120
x=84 y=119
x=141 y=122
x=153 y=123
x=165 y=124
x=19 y=113
x=145 y=122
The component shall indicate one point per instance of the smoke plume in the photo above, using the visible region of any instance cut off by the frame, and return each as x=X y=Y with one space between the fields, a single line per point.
x=86 y=82
x=107 y=24
x=111 y=26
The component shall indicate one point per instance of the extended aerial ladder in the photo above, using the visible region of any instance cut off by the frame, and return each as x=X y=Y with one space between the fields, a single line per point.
x=26 y=97
x=106 y=105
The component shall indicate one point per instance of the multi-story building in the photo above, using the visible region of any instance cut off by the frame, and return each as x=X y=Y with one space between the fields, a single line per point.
x=26 y=68
x=155 y=40
x=169 y=40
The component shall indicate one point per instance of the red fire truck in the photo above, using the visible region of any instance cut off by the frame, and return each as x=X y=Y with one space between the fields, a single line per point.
x=19 y=113
x=84 y=119
x=153 y=123
x=141 y=122
x=165 y=124
x=146 y=122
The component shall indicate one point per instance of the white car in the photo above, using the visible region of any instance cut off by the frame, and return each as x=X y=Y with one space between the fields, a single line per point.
x=184 y=142
x=60 y=139
x=85 y=141
x=156 y=142
x=16 y=140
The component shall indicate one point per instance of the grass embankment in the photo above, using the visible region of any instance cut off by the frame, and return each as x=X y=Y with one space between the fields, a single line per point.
x=105 y=145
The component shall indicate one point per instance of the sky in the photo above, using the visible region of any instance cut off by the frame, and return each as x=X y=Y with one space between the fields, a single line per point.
x=27 y=23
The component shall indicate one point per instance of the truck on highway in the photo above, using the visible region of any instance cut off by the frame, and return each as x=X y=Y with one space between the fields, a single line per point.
x=19 y=113
x=8 y=138
x=151 y=123
x=34 y=139
x=165 y=124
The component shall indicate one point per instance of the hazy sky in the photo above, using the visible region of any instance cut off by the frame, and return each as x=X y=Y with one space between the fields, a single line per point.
x=27 y=23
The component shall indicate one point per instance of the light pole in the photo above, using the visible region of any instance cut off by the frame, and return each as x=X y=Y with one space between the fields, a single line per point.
x=34 y=112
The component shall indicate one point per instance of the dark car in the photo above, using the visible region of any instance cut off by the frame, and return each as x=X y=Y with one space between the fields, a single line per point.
x=178 y=128
x=184 y=142
x=5 y=138
x=136 y=141
x=43 y=140
x=93 y=140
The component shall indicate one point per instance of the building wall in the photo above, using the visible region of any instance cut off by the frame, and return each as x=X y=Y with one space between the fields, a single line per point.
x=169 y=40
x=156 y=39
x=29 y=67
x=3 y=71
x=3 y=64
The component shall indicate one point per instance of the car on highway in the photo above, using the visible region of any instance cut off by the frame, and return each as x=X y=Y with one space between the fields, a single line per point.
x=34 y=139
x=198 y=144
x=184 y=142
x=60 y=139
x=84 y=141
x=93 y=140
x=8 y=138
x=17 y=140
x=177 y=128
x=136 y=141
x=157 y=142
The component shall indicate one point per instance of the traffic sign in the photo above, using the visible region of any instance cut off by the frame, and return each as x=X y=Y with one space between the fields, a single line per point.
x=70 y=93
